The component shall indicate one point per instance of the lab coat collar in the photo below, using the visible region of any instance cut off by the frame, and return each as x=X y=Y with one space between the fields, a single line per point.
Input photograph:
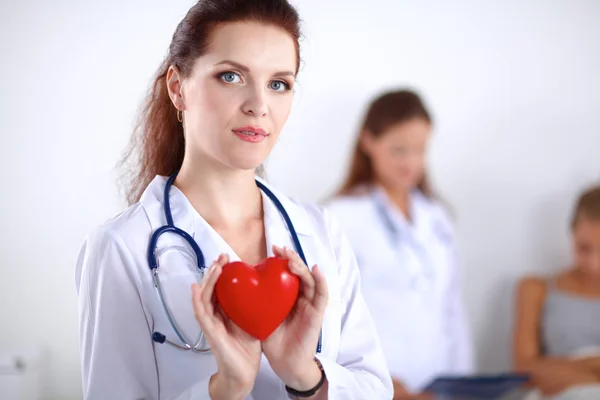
x=152 y=200
x=184 y=213
x=419 y=210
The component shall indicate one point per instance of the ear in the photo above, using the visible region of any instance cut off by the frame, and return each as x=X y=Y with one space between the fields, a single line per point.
x=174 y=86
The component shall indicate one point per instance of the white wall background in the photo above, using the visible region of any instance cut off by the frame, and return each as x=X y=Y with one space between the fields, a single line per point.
x=514 y=88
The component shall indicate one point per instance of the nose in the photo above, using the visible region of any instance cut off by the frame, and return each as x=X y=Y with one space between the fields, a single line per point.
x=256 y=103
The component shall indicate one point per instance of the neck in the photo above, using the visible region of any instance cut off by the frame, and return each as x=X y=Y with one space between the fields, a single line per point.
x=584 y=280
x=399 y=197
x=223 y=196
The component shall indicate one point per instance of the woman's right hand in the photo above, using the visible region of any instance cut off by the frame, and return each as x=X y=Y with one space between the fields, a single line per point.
x=236 y=352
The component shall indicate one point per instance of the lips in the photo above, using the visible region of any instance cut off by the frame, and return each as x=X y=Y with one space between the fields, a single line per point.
x=251 y=134
x=250 y=131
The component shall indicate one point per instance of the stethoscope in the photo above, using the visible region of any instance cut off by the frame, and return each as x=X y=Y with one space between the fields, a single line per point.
x=153 y=263
x=421 y=278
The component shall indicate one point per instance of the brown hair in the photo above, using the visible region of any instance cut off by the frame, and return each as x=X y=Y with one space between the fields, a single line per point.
x=587 y=206
x=158 y=136
x=386 y=110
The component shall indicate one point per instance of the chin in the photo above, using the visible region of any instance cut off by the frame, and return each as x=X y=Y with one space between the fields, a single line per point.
x=245 y=164
x=594 y=276
x=245 y=158
x=402 y=185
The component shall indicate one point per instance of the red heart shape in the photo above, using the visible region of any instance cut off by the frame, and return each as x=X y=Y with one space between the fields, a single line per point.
x=257 y=298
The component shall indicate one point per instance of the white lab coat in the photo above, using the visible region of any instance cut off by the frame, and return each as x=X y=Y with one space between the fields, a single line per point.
x=119 y=307
x=410 y=282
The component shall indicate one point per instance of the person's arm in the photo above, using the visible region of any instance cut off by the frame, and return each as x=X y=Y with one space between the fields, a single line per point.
x=115 y=336
x=526 y=337
x=360 y=371
x=527 y=347
x=551 y=374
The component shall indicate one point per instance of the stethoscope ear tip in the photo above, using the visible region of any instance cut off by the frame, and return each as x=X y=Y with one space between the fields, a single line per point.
x=158 y=337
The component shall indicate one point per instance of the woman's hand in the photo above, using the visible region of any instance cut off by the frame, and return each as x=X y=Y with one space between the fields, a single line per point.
x=400 y=393
x=291 y=348
x=592 y=364
x=237 y=353
x=555 y=378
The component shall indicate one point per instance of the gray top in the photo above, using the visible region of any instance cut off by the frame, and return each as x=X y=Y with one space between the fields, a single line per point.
x=570 y=322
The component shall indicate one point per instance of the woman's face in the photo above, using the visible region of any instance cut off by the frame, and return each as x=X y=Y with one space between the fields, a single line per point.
x=586 y=246
x=238 y=95
x=398 y=154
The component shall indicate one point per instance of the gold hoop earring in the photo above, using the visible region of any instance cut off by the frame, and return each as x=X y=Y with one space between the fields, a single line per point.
x=179 y=115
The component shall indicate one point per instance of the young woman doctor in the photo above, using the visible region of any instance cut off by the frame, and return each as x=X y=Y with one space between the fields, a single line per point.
x=214 y=113
x=404 y=244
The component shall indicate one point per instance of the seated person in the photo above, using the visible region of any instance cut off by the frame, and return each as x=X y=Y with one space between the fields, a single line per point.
x=557 y=327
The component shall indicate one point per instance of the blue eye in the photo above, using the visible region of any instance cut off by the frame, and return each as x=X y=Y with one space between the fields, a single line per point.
x=230 y=77
x=279 y=86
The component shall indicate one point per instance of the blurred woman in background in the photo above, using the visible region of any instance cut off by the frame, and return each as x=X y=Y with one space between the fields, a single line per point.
x=404 y=243
x=557 y=329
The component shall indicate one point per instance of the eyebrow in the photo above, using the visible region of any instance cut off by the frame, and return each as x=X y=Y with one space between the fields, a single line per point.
x=246 y=69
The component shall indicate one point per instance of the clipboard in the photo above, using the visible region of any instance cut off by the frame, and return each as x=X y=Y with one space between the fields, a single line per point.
x=477 y=387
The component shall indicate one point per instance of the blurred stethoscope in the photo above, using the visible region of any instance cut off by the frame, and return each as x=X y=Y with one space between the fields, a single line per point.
x=154 y=267
x=421 y=270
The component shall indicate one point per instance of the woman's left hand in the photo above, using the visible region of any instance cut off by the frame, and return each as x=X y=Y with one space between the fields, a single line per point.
x=291 y=348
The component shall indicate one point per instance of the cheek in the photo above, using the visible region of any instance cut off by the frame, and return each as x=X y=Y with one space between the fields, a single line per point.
x=418 y=163
x=209 y=101
x=584 y=258
x=213 y=99
x=383 y=162
x=412 y=164
x=281 y=106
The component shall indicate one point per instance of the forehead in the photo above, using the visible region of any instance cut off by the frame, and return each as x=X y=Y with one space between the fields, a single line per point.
x=588 y=228
x=415 y=130
x=260 y=47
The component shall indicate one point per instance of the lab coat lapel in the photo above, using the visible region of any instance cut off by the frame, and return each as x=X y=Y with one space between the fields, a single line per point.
x=413 y=237
x=277 y=233
x=153 y=202
x=421 y=218
x=210 y=242
x=276 y=230
x=185 y=217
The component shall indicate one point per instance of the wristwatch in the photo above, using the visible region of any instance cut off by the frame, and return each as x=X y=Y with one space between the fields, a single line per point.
x=296 y=394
